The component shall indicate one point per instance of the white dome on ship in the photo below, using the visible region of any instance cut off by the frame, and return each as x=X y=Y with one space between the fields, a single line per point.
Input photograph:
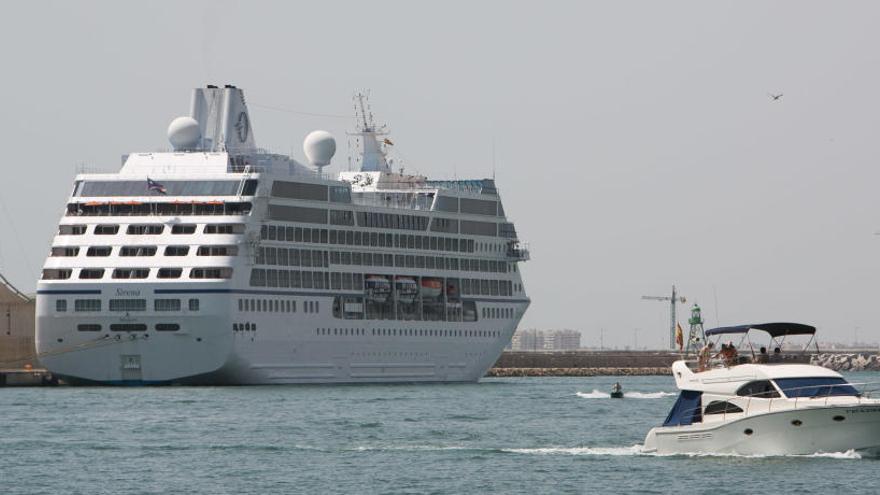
x=319 y=147
x=184 y=133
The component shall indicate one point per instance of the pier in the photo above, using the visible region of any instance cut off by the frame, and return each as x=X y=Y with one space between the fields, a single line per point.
x=583 y=363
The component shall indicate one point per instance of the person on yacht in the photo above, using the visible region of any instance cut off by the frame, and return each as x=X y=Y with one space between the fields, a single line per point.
x=729 y=354
x=777 y=355
x=762 y=357
x=704 y=356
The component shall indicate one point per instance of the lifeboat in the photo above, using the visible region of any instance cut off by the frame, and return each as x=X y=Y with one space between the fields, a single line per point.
x=431 y=288
x=378 y=288
x=406 y=288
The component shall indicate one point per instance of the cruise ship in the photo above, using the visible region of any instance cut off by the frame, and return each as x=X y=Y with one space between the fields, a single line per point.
x=217 y=262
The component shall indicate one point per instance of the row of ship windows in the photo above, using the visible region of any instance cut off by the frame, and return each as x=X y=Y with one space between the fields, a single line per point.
x=299 y=234
x=275 y=306
x=198 y=273
x=296 y=279
x=376 y=239
x=320 y=258
x=153 y=229
x=130 y=251
x=124 y=305
x=244 y=305
x=176 y=208
x=408 y=332
x=128 y=327
x=497 y=313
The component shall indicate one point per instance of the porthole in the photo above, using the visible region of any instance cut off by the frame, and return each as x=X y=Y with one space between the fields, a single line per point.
x=796 y=422
x=838 y=418
x=748 y=431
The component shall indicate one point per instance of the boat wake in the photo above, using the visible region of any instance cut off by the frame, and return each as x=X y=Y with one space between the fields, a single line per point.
x=638 y=450
x=603 y=451
x=597 y=394
x=633 y=450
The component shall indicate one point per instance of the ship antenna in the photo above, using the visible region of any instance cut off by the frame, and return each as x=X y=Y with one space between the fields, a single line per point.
x=373 y=156
x=493 y=158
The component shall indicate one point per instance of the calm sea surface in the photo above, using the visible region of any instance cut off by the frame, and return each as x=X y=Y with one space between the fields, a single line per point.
x=518 y=435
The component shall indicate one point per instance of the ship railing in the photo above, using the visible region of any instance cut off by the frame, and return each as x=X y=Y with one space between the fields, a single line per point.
x=819 y=400
x=518 y=251
x=298 y=172
x=159 y=208
x=418 y=203
x=802 y=357
x=784 y=403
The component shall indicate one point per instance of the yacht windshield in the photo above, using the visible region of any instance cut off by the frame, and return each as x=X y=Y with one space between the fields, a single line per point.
x=815 y=387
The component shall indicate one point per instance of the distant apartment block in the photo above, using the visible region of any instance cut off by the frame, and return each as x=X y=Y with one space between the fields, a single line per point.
x=545 y=340
x=562 y=340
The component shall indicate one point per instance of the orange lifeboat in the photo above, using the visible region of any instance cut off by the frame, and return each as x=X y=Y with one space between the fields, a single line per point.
x=431 y=288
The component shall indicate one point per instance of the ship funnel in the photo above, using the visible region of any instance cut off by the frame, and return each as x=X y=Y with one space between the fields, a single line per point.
x=223 y=119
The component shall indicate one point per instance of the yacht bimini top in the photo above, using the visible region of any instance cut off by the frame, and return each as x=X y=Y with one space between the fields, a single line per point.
x=774 y=329
x=747 y=351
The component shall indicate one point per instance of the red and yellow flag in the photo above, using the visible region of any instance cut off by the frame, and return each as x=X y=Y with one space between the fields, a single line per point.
x=679 y=336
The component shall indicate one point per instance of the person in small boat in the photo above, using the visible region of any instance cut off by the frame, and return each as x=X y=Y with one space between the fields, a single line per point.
x=616 y=391
x=704 y=356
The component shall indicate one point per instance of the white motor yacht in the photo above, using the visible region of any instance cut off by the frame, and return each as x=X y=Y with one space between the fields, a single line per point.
x=765 y=404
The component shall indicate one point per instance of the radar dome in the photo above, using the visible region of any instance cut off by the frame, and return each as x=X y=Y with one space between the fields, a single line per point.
x=184 y=133
x=319 y=147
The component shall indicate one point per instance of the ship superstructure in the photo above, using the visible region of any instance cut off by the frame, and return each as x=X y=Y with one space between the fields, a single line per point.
x=221 y=263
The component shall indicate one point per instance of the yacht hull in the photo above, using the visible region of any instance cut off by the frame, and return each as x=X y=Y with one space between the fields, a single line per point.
x=802 y=431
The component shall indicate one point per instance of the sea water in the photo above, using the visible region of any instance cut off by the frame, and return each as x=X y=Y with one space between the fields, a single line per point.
x=508 y=435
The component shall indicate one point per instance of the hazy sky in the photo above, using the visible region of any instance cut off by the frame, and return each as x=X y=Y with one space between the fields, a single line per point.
x=636 y=145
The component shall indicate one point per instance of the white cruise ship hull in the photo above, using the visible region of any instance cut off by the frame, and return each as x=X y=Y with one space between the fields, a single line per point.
x=803 y=431
x=285 y=348
x=222 y=263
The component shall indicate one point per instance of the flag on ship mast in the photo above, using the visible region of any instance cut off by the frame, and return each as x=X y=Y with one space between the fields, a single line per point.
x=155 y=186
x=679 y=336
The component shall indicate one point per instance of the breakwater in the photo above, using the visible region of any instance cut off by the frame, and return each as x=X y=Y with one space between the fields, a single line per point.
x=636 y=363
x=501 y=372
x=583 y=363
x=840 y=361
x=587 y=359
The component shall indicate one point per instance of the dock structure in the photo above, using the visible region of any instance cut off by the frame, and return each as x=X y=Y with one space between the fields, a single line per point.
x=17 y=350
x=26 y=377
x=583 y=363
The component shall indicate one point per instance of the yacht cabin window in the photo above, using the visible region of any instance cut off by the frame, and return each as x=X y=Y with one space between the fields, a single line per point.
x=824 y=386
x=759 y=389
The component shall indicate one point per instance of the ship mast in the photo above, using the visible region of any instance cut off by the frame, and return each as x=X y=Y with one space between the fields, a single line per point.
x=373 y=156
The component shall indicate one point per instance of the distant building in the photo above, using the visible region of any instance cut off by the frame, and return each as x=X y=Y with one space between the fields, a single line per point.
x=528 y=340
x=562 y=340
x=545 y=340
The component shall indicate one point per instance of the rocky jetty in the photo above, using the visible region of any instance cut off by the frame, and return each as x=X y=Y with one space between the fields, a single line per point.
x=578 y=371
x=847 y=362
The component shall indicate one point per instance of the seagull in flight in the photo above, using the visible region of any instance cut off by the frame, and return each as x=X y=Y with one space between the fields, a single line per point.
x=774 y=97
